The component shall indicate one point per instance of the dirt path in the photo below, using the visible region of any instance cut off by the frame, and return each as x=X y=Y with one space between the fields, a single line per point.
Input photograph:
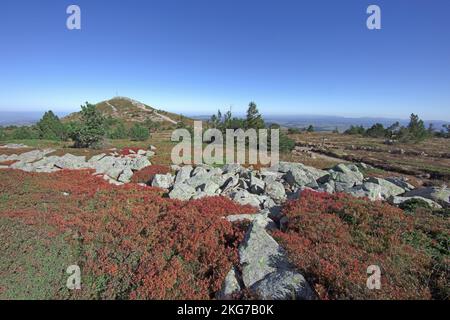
x=112 y=107
x=143 y=107
x=165 y=118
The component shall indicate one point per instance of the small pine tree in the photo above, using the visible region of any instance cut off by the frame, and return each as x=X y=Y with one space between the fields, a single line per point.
x=90 y=130
x=310 y=128
x=254 y=119
x=50 y=127
x=355 y=130
x=416 y=130
x=376 y=131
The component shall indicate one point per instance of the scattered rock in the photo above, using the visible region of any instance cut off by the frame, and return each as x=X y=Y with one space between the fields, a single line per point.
x=163 y=181
x=298 y=177
x=256 y=184
x=388 y=189
x=183 y=174
x=244 y=197
x=401 y=182
x=260 y=255
x=126 y=175
x=437 y=194
x=370 y=190
x=69 y=161
x=396 y=200
x=275 y=190
x=14 y=146
x=284 y=285
x=182 y=191
x=266 y=270
x=344 y=176
x=230 y=285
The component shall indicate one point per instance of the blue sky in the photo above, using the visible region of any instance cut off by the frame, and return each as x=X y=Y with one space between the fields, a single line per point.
x=195 y=56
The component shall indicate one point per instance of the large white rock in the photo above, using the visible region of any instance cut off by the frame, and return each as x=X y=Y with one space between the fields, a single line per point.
x=182 y=191
x=244 y=197
x=440 y=195
x=388 y=189
x=163 y=181
x=183 y=174
x=230 y=285
x=275 y=190
x=70 y=161
x=399 y=200
x=126 y=175
x=266 y=269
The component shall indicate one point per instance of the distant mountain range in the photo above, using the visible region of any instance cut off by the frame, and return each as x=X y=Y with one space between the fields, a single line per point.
x=131 y=110
x=8 y=118
x=330 y=123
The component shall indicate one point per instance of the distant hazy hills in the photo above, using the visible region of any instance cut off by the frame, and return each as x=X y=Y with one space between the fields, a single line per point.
x=330 y=123
x=130 y=110
x=8 y=118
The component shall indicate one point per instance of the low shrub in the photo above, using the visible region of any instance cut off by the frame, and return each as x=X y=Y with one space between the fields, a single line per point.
x=411 y=205
x=132 y=242
x=333 y=239
x=147 y=174
x=129 y=150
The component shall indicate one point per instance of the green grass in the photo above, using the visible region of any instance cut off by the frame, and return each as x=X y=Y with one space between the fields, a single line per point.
x=37 y=143
x=32 y=263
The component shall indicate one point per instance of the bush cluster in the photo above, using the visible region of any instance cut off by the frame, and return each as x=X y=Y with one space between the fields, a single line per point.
x=415 y=131
x=89 y=131
x=253 y=120
x=132 y=242
x=333 y=239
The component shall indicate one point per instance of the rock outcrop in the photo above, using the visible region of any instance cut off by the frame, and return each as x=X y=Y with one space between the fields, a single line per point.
x=114 y=168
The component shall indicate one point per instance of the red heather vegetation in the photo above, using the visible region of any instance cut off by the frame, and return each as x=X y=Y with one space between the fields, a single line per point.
x=132 y=243
x=332 y=239
x=147 y=174
x=129 y=150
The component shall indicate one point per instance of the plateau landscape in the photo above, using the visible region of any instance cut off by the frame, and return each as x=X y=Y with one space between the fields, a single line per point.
x=197 y=154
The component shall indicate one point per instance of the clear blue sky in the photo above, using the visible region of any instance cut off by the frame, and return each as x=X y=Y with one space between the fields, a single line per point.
x=195 y=56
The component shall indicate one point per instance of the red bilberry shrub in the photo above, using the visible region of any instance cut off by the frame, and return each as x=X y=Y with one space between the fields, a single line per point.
x=129 y=150
x=133 y=243
x=332 y=239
